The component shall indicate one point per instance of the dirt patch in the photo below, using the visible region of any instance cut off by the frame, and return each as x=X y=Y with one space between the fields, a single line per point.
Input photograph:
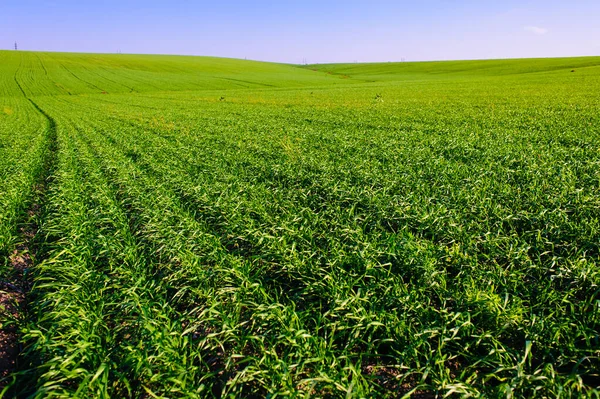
x=10 y=304
x=21 y=260
x=13 y=298
x=390 y=379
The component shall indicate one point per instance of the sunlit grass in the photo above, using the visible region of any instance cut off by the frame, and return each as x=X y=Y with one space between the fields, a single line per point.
x=431 y=231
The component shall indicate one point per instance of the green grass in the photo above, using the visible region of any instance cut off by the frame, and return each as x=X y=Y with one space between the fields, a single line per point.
x=454 y=69
x=229 y=228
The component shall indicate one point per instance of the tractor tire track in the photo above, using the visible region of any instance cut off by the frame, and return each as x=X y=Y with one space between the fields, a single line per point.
x=131 y=89
x=13 y=294
x=82 y=80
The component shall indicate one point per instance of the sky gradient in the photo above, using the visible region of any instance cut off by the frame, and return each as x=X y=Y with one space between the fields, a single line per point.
x=308 y=30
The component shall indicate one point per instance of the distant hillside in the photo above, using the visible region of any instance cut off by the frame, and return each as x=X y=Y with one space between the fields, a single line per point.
x=39 y=73
x=410 y=70
x=72 y=73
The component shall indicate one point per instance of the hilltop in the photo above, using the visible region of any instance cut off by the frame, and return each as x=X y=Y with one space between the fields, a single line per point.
x=43 y=73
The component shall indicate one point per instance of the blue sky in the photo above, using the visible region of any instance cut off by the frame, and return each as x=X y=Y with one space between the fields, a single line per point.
x=315 y=31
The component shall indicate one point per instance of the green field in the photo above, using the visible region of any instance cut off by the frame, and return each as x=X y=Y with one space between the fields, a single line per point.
x=203 y=227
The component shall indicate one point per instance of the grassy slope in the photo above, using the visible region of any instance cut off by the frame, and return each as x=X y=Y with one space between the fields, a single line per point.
x=360 y=232
x=70 y=74
x=456 y=69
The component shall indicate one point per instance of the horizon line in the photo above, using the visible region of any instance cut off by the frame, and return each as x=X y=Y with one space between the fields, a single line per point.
x=402 y=61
